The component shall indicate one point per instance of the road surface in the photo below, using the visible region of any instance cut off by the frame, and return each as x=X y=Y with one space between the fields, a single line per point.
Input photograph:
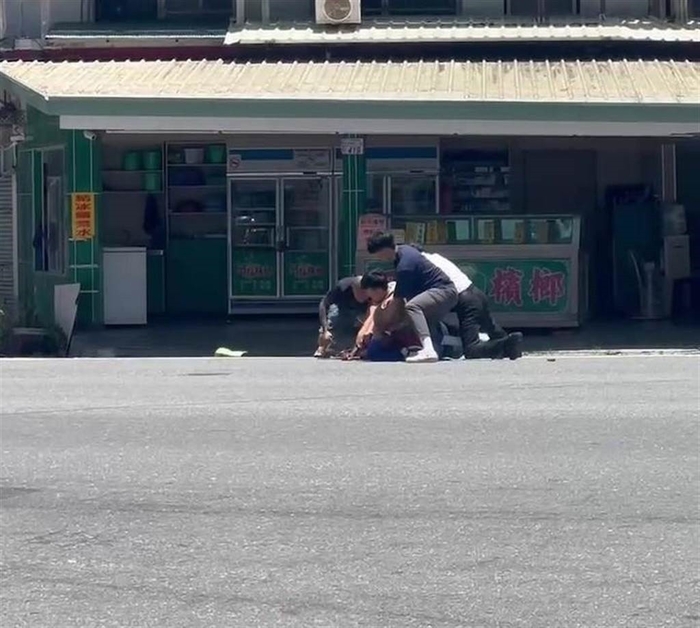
x=296 y=493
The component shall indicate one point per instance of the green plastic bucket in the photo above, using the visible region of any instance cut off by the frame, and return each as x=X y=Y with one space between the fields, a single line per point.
x=216 y=154
x=132 y=160
x=152 y=160
x=152 y=182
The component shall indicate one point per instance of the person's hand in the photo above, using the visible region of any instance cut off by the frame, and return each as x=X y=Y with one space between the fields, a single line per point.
x=364 y=340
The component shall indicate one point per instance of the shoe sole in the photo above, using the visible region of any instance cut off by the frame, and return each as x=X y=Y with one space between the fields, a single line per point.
x=514 y=348
x=431 y=360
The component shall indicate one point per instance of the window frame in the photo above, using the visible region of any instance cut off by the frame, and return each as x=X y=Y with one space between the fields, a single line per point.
x=265 y=12
x=164 y=13
x=49 y=257
x=385 y=11
x=541 y=12
x=694 y=9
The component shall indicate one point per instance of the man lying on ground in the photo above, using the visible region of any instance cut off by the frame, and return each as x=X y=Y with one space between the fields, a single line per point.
x=341 y=314
x=387 y=334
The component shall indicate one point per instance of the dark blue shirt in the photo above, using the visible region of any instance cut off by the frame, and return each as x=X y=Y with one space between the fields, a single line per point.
x=415 y=274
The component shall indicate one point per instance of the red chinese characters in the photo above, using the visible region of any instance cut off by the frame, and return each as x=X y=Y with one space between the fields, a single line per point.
x=255 y=271
x=507 y=286
x=83 y=208
x=307 y=271
x=547 y=286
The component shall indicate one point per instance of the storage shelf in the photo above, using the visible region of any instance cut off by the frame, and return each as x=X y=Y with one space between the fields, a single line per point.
x=114 y=192
x=198 y=187
x=197 y=166
x=158 y=171
x=246 y=210
x=477 y=182
x=305 y=251
x=202 y=213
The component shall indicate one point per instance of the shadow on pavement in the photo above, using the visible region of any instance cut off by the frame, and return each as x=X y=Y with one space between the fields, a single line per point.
x=296 y=336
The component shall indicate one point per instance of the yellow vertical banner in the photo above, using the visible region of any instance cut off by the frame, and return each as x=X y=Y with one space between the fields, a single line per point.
x=83 y=215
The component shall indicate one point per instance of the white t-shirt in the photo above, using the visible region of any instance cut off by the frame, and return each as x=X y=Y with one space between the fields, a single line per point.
x=455 y=275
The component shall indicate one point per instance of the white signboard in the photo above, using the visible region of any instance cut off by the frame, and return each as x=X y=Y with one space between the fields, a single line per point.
x=310 y=160
x=352 y=146
x=272 y=160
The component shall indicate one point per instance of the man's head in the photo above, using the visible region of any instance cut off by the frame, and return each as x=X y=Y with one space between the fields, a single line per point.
x=376 y=286
x=382 y=245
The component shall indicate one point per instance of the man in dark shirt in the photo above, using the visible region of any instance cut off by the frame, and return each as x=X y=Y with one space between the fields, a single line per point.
x=428 y=292
x=341 y=314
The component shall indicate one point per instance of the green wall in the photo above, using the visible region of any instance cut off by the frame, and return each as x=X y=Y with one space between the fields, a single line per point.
x=352 y=205
x=84 y=175
x=80 y=174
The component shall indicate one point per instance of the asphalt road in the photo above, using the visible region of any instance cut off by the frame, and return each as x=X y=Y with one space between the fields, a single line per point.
x=188 y=493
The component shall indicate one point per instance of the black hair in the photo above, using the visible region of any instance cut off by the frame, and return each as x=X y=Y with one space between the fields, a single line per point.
x=374 y=280
x=379 y=241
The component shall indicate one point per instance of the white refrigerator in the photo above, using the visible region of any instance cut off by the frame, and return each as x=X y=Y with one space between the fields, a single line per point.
x=125 y=286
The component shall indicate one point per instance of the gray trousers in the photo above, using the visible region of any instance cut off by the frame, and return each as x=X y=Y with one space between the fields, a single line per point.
x=428 y=308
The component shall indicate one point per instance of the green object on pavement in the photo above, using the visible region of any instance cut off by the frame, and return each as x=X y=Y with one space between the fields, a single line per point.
x=223 y=352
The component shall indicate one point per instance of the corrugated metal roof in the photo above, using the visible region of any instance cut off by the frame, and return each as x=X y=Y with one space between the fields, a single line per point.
x=382 y=31
x=551 y=81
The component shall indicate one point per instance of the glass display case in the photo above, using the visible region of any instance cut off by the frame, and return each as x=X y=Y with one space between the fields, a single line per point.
x=527 y=265
x=486 y=230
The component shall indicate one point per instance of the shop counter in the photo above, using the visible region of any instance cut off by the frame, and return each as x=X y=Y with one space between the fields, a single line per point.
x=529 y=266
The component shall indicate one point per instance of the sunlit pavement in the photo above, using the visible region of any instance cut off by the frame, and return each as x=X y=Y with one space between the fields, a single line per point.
x=556 y=492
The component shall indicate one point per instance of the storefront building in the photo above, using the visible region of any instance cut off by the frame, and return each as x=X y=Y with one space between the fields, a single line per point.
x=183 y=188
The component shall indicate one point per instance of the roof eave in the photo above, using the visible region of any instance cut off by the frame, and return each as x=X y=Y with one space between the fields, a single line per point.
x=25 y=94
x=291 y=108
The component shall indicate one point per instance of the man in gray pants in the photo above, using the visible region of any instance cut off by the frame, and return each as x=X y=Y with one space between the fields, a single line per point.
x=428 y=292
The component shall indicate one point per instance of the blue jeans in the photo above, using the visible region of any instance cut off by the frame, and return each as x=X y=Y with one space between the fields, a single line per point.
x=344 y=325
x=377 y=351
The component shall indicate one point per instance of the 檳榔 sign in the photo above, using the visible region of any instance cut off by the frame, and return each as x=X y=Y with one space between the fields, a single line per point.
x=514 y=285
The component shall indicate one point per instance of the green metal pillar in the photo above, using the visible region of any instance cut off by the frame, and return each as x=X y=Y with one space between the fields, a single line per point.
x=84 y=175
x=352 y=205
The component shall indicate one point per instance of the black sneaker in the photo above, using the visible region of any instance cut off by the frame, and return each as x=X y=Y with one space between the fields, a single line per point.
x=513 y=347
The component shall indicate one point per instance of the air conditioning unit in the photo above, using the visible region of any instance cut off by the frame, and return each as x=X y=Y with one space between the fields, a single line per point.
x=338 y=12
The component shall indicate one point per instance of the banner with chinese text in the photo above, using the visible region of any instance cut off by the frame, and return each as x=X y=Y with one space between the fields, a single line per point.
x=366 y=227
x=254 y=273
x=305 y=274
x=514 y=285
x=522 y=285
x=83 y=216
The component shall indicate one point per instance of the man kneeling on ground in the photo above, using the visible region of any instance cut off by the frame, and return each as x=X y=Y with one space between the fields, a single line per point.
x=429 y=294
x=474 y=316
x=341 y=314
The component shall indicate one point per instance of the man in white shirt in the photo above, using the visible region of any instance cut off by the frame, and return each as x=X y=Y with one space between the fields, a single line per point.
x=474 y=316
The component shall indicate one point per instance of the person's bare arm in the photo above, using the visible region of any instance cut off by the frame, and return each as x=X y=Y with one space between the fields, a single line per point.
x=392 y=316
x=368 y=327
